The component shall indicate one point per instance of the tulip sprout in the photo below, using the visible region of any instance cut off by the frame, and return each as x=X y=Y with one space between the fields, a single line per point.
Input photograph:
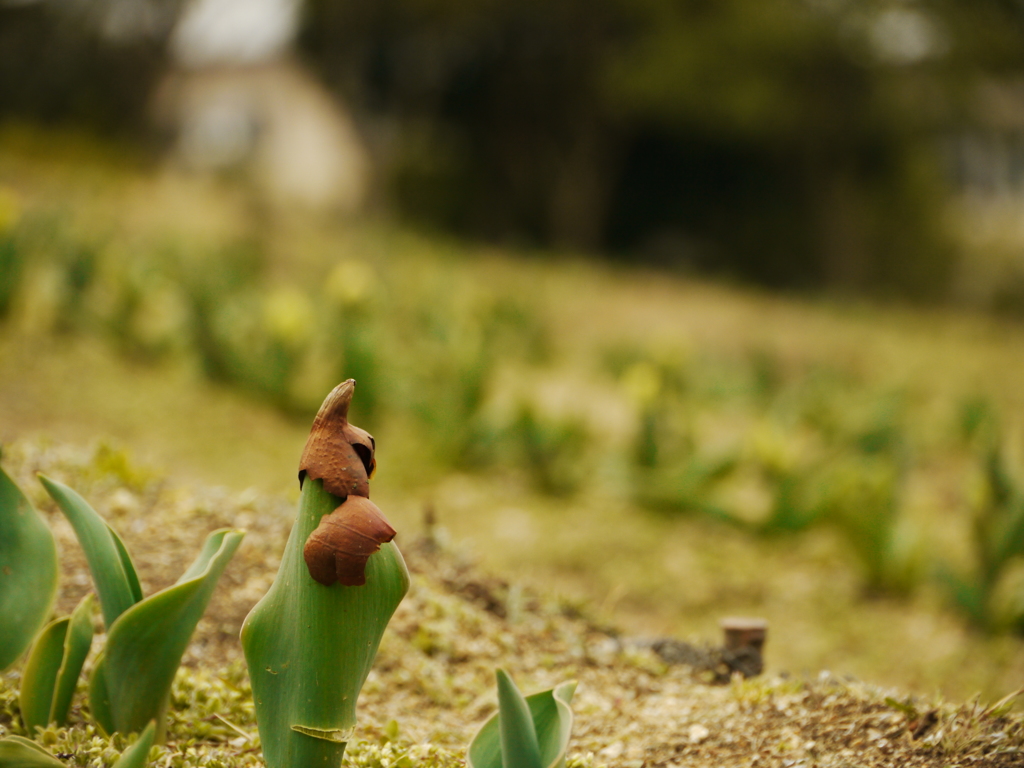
x=49 y=679
x=526 y=732
x=146 y=638
x=310 y=642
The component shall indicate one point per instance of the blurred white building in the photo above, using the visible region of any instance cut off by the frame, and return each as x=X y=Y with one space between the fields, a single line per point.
x=238 y=100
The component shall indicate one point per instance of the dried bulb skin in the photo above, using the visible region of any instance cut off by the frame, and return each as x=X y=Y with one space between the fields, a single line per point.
x=336 y=452
x=342 y=456
x=364 y=445
x=344 y=540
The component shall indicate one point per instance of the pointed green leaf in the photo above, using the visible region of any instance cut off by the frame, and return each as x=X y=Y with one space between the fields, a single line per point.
x=552 y=718
x=309 y=647
x=519 y=747
x=51 y=673
x=77 y=643
x=19 y=752
x=132 y=680
x=136 y=755
x=112 y=570
x=40 y=675
x=28 y=571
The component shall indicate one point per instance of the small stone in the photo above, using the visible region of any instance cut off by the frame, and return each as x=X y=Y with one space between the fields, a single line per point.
x=698 y=733
x=613 y=751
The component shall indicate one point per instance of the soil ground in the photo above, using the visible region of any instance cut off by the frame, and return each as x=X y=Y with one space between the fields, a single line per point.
x=432 y=685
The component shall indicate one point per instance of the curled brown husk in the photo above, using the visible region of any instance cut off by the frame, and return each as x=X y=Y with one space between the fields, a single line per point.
x=340 y=546
x=342 y=456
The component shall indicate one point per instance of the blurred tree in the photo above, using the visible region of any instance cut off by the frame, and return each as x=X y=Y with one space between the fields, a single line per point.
x=793 y=141
x=500 y=106
x=792 y=135
x=92 y=63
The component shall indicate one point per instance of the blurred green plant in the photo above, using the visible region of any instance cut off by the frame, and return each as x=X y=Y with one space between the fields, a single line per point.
x=146 y=637
x=448 y=397
x=525 y=732
x=552 y=450
x=11 y=268
x=28 y=562
x=998 y=542
x=860 y=496
x=816 y=451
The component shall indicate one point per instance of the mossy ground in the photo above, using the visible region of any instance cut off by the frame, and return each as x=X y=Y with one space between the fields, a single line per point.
x=433 y=683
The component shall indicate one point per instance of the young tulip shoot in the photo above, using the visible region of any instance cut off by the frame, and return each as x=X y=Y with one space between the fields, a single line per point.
x=526 y=732
x=49 y=679
x=310 y=642
x=146 y=638
x=131 y=682
x=112 y=569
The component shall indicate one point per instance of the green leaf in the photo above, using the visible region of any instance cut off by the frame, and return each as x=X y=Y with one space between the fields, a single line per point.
x=48 y=682
x=135 y=756
x=309 y=647
x=519 y=747
x=112 y=570
x=76 y=648
x=552 y=716
x=552 y=720
x=40 y=676
x=28 y=571
x=19 y=752
x=132 y=680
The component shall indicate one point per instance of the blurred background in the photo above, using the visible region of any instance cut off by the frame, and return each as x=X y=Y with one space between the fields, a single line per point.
x=674 y=309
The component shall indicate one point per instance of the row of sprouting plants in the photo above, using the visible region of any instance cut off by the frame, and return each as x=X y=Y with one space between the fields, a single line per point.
x=824 y=453
x=425 y=343
x=309 y=642
x=429 y=347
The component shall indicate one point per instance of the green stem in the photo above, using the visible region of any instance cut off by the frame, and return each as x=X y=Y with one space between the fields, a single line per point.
x=309 y=647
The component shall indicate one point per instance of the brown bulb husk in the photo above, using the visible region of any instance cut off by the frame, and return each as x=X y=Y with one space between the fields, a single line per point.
x=336 y=452
x=342 y=456
x=338 y=549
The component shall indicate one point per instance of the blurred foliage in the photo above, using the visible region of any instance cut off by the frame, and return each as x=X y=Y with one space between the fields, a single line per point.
x=92 y=63
x=457 y=373
x=815 y=453
x=987 y=594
